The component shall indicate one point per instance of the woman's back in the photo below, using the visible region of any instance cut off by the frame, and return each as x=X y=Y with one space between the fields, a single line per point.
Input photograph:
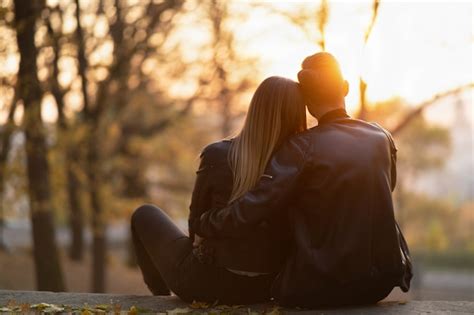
x=265 y=247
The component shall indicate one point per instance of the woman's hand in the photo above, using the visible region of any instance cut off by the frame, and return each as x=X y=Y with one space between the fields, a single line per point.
x=197 y=240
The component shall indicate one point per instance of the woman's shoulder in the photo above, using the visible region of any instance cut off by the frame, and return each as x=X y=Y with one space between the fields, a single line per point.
x=216 y=152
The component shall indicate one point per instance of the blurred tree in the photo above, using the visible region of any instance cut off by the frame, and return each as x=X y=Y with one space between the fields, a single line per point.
x=67 y=133
x=419 y=136
x=48 y=269
x=92 y=166
x=463 y=233
x=418 y=109
x=362 y=84
x=322 y=18
x=130 y=29
x=305 y=19
x=6 y=131
x=232 y=74
x=10 y=97
x=428 y=222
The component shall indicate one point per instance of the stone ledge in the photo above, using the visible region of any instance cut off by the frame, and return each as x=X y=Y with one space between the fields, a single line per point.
x=164 y=304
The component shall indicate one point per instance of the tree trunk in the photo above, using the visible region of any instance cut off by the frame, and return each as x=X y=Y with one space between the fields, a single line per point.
x=5 y=148
x=134 y=188
x=46 y=258
x=76 y=214
x=98 y=221
x=3 y=245
x=93 y=166
x=362 y=100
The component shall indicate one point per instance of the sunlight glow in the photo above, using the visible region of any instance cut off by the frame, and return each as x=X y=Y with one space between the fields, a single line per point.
x=411 y=53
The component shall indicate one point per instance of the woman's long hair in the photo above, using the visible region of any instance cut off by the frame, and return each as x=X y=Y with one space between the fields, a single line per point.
x=276 y=112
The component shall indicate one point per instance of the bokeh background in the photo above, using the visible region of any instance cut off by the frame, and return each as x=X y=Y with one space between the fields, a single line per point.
x=113 y=100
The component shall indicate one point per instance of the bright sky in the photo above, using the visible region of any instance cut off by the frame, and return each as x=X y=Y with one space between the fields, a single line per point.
x=416 y=48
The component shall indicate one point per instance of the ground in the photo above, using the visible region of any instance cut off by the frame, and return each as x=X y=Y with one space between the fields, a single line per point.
x=17 y=273
x=125 y=289
x=171 y=305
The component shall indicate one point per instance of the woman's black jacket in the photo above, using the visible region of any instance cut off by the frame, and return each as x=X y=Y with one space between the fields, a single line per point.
x=263 y=248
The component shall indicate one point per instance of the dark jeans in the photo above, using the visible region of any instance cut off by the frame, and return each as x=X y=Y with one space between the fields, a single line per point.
x=165 y=257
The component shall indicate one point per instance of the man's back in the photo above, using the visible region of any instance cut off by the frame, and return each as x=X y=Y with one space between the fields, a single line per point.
x=345 y=236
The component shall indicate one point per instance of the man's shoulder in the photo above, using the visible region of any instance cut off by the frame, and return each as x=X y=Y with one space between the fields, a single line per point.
x=374 y=131
x=347 y=128
x=386 y=134
x=353 y=122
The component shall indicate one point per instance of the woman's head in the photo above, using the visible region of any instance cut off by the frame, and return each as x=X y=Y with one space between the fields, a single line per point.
x=276 y=112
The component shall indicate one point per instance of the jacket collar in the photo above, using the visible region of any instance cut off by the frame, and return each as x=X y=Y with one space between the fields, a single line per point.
x=333 y=115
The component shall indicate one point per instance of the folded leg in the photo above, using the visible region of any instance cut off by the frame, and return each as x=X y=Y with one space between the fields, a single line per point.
x=158 y=251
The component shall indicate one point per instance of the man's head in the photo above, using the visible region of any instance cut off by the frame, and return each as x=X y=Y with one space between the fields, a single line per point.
x=322 y=83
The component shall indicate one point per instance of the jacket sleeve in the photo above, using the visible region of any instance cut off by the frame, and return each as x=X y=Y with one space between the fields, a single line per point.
x=272 y=193
x=201 y=197
x=393 y=156
x=393 y=159
x=394 y=162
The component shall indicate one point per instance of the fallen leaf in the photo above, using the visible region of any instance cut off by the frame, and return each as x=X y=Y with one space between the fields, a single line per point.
x=52 y=309
x=133 y=311
x=198 y=305
x=250 y=312
x=177 y=311
x=274 y=311
x=104 y=307
x=41 y=306
x=223 y=307
x=117 y=308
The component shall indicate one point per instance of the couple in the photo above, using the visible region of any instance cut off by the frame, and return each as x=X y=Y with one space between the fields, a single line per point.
x=301 y=216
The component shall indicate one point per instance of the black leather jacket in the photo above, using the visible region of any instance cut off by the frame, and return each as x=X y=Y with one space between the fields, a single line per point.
x=263 y=249
x=336 y=182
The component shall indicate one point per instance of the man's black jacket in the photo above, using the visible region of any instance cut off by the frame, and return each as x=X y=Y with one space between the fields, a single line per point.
x=335 y=181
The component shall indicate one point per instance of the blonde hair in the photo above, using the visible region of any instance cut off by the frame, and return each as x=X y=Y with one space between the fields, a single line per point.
x=276 y=112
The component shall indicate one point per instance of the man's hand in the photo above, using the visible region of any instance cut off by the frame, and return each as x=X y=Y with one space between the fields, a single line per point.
x=197 y=240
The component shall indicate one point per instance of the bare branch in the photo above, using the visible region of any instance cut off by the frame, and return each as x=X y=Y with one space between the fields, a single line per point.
x=7 y=130
x=422 y=106
x=56 y=90
x=164 y=123
x=81 y=57
x=123 y=57
x=362 y=84
x=375 y=10
x=323 y=17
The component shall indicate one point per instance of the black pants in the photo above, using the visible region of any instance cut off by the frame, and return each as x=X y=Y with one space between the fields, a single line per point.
x=165 y=257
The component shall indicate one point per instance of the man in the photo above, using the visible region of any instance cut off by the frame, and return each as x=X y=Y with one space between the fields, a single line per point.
x=336 y=182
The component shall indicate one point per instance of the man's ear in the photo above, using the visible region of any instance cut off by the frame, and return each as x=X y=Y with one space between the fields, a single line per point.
x=345 y=88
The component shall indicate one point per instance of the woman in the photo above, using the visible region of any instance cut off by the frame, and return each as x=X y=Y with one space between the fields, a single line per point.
x=232 y=271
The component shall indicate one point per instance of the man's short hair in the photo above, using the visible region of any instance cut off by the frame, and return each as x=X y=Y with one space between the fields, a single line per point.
x=321 y=79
